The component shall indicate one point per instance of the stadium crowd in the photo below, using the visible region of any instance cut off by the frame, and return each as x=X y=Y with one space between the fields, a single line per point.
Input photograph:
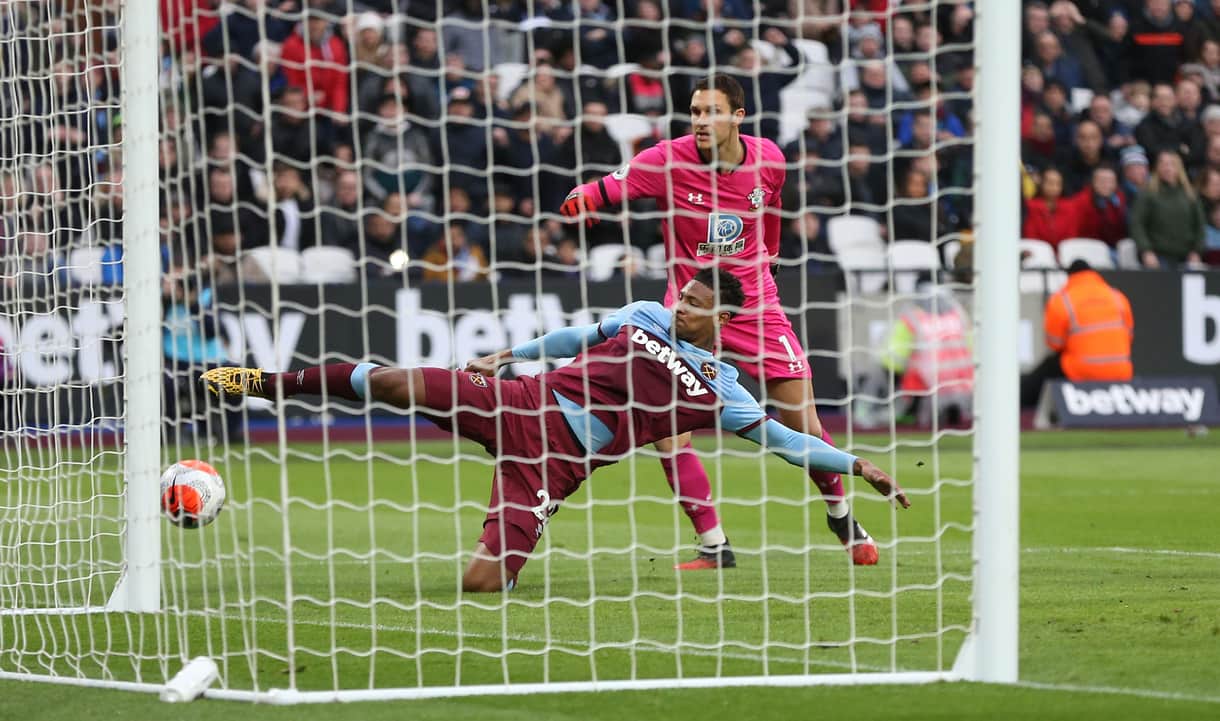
x=405 y=137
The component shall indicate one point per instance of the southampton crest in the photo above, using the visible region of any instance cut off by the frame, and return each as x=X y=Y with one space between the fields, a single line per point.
x=756 y=198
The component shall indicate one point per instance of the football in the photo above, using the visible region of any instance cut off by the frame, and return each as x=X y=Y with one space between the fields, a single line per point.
x=192 y=493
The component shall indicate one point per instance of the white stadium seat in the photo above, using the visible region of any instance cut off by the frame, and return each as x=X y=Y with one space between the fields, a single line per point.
x=510 y=76
x=1128 y=255
x=1096 y=252
x=951 y=248
x=910 y=258
x=605 y=260
x=328 y=264
x=271 y=264
x=1037 y=254
x=626 y=129
x=85 y=264
x=849 y=231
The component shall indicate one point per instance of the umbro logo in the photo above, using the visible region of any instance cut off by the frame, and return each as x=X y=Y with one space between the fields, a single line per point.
x=696 y=198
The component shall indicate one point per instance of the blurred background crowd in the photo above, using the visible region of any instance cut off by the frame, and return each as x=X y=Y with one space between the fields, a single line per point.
x=438 y=139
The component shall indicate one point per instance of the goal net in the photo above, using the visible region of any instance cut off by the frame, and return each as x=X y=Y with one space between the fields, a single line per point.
x=380 y=181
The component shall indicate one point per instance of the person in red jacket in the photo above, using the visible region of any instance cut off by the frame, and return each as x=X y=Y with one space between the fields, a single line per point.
x=1102 y=208
x=1050 y=216
x=315 y=59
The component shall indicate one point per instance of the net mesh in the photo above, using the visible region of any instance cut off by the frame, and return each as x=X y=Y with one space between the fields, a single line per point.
x=380 y=181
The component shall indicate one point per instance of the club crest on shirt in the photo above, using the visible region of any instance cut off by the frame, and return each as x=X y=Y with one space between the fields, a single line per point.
x=709 y=370
x=478 y=380
x=756 y=198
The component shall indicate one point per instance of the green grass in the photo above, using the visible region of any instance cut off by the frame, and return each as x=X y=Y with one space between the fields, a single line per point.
x=1120 y=589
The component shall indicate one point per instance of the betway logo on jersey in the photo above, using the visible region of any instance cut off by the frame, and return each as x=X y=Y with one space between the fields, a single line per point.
x=1141 y=402
x=666 y=355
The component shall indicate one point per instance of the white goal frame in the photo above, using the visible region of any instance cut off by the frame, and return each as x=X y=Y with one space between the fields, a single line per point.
x=990 y=651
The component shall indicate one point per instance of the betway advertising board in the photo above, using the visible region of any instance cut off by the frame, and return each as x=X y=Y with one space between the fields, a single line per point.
x=1140 y=402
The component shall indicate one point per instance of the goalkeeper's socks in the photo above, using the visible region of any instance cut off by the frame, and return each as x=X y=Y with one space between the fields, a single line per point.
x=340 y=380
x=830 y=484
x=713 y=537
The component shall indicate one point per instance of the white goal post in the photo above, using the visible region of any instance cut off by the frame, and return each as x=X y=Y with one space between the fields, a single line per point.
x=330 y=576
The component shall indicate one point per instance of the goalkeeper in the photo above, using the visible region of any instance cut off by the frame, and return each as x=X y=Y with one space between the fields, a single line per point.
x=644 y=373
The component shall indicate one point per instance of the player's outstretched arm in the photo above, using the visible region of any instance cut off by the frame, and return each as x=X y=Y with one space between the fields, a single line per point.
x=562 y=343
x=806 y=451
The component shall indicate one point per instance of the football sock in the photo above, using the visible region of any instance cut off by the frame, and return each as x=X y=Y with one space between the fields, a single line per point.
x=829 y=483
x=713 y=537
x=338 y=378
x=690 y=483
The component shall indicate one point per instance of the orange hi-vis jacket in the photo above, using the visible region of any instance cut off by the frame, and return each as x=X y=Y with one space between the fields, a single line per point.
x=1090 y=324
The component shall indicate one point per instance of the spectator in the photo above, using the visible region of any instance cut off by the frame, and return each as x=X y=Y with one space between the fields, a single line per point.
x=1209 y=71
x=385 y=244
x=1167 y=220
x=1050 y=216
x=461 y=144
x=315 y=59
x=763 y=84
x=543 y=95
x=1089 y=328
x=1166 y=128
x=1102 y=208
x=454 y=259
x=1116 y=134
x=1069 y=26
x=296 y=215
x=821 y=136
x=1156 y=43
x=1039 y=148
x=1204 y=29
x=398 y=158
x=1133 y=103
x=238 y=32
x=1054 y=64
x=292 y=133
x=1134 y=163
x=537 y=258
x=1088 y=153
x=914 y=213
x=340 y=218
x=643 y=38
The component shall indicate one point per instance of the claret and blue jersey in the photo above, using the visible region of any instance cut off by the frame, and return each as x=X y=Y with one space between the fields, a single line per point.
x=633 y=382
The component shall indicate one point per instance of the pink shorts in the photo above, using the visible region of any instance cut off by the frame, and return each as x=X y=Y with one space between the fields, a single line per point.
x=760 y=343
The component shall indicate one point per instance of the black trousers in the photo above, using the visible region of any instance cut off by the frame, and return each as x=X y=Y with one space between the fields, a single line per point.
x=1032 y=382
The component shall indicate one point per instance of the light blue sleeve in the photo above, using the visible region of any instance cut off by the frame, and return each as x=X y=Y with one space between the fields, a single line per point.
x=569 y=342
x=800 y=449
x=561 y=343
x=740 y=411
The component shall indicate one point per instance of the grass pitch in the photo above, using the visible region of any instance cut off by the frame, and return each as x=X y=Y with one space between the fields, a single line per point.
x=1120 y=588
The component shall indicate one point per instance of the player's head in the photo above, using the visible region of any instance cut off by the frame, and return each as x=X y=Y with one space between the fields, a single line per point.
x=717 y=107
x=705 y=303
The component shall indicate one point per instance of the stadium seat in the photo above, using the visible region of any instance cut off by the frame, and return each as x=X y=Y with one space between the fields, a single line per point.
x=606 y=260
x=1096 y=252
x=510 y=77
x=622 y=70
x=910 y=258
x=1128 y=255
x=1037 y=254
x=655 y=260
x=328 y=264
x=85 y=265
x=857 y=261
x=626 y=129
x=271 y=264
x=850 y=231
x=950 y=249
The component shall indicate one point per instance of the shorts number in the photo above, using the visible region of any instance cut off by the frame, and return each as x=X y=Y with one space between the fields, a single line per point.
x=794 y=364
x=543 y=511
